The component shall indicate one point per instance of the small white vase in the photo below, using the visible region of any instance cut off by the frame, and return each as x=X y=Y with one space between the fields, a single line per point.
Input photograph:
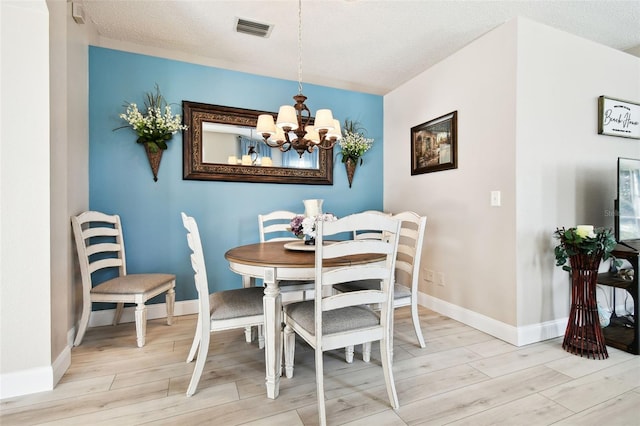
x=312 y=207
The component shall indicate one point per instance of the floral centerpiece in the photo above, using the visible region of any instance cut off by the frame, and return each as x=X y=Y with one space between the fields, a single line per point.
x=353 y=145
x=302 y=226
x=156 y=125
x=586 y=241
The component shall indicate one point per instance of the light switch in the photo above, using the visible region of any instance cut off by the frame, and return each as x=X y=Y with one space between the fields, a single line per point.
x=495 y=199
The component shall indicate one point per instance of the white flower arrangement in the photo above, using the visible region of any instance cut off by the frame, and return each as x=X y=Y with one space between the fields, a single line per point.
x=157 y=125
x=354 y=144
x=302 y=226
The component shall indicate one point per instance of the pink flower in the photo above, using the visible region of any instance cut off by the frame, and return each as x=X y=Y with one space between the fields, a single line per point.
x=296 y=226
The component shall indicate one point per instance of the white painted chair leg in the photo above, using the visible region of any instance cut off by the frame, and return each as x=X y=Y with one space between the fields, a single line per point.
x=416 y=324
x=248 y=334
x=348 y=354
x=289 y=351
x=141 y=323
x=118 y=314
x=385 y=355
x=196 y=341
x=322 y=412
x=170 y=300
x=366 y=351
x=84 y=322
x=248 y=331
x=202 y=357
x=260 y=337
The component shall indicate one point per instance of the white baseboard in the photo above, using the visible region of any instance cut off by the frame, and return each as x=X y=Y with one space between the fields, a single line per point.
x=35 y=380
x=517 y=336
x=25 y=382
x=542 y=331
x=62 y=363
x=42 y=379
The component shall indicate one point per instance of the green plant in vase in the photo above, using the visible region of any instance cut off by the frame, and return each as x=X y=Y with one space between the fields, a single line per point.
x=353 y=146
x=154 y=127
x=583 y=240
x=157 y=125
x=584 y=247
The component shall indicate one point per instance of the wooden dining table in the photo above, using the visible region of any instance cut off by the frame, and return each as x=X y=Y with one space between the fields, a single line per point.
x=272 y=262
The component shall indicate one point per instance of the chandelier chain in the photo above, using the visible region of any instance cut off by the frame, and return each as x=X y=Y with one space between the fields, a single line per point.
x=296 y=119
x=300 y=46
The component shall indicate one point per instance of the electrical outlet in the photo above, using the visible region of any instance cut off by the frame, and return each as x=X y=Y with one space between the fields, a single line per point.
x=441 y=279
x=429 y=275
x=495 y=199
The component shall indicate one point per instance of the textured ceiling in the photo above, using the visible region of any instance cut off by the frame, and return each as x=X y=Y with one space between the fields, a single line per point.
x=362 y=45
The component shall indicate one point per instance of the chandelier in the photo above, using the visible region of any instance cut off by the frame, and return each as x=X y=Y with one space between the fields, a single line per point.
x=296 y=119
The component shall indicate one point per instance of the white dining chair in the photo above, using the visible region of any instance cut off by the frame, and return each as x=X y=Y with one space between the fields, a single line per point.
x=275 y=226
x=332 y=321
x=100 y=245
x=407 y=272
x=223 y=310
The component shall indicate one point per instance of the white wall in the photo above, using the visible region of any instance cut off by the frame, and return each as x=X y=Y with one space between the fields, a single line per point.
x=25 y=302
x=469 y=241
x=29 y=179
x=526 y=96
x=566 y=172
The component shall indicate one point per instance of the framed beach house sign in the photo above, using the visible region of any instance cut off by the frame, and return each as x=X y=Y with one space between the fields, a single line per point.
x=618 y=118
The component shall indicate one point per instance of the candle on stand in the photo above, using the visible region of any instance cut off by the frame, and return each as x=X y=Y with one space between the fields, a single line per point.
x=232 y=159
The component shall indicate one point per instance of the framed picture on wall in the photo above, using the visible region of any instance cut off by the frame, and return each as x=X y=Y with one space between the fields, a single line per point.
x=434 y=145
x=618 y=118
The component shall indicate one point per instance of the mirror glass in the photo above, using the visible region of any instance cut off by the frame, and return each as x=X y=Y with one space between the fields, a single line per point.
x=226 y=143
x=221 y=143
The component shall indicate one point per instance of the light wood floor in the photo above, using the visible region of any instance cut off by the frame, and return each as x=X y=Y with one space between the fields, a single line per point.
x=462 y=377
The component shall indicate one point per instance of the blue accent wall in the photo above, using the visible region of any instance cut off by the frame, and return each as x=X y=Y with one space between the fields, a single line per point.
x=121 y=182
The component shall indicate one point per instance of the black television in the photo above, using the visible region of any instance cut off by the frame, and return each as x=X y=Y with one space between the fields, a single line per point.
x=627 y=218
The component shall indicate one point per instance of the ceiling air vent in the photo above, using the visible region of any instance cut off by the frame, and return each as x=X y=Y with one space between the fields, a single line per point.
x=253 y=28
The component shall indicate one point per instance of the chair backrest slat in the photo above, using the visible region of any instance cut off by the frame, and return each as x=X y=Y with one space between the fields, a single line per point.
x=345 y=248
x=368 y=234
x=100 y=232
x=349 y=273
x=364 y=297
x=274 y=226
x=104 y=263
x=103 y=248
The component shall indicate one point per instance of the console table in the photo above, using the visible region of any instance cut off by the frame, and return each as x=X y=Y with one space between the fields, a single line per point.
x=620 y=334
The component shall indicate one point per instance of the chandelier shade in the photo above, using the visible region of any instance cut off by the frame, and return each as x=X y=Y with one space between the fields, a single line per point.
x=294 y=128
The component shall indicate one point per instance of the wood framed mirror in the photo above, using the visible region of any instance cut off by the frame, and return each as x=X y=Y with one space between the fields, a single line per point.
x=221 y=143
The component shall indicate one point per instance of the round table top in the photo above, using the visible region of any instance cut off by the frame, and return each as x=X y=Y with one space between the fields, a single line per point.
x=274 y=254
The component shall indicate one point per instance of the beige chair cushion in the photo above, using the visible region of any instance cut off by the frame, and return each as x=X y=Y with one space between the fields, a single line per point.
x=242 y=302
x=333 y=321
x=134 y=283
